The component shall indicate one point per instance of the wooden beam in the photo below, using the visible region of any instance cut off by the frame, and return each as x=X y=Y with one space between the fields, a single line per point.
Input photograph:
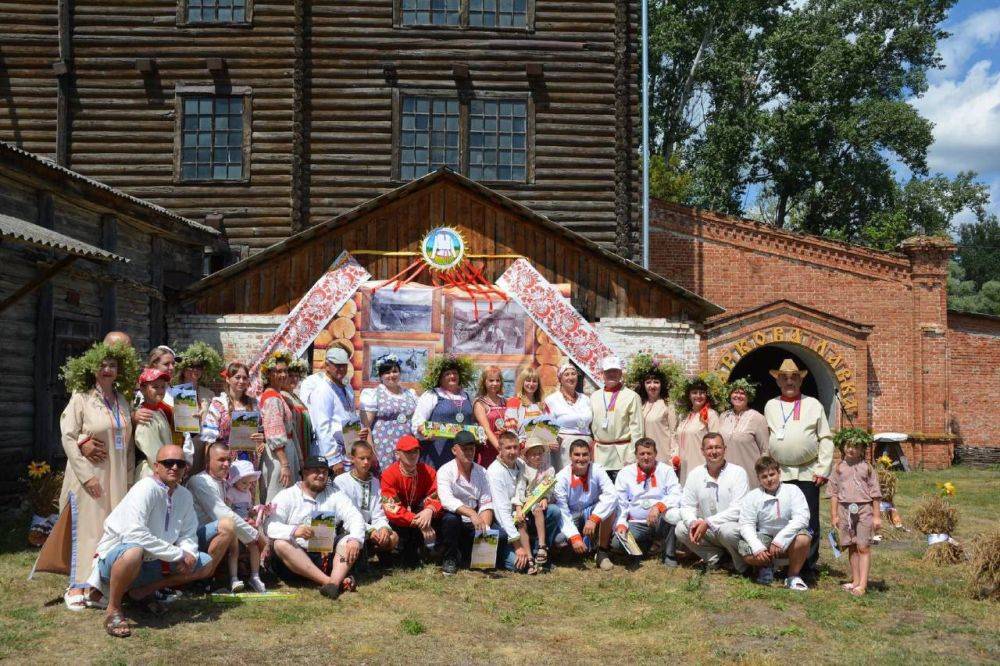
x=157 y=322
x=42 y=359
x=37 y=281
x=109 y=289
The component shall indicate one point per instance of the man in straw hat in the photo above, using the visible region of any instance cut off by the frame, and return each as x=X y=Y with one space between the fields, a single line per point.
x=801 y=442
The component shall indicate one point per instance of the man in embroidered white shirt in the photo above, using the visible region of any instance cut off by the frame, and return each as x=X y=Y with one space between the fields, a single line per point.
x=464 y=491
x=290 y=526
x=331 y=408
x=586 y=499
x=154 y=523
x=649 y=497
x=710 y=506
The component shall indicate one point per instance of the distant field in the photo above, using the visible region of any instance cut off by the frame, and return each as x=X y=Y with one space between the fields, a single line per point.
x=913 y=614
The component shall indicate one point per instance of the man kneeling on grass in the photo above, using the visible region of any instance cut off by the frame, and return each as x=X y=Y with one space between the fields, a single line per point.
x=774 y=524
x=153 y=524
x=290 y=527
x=586 y=499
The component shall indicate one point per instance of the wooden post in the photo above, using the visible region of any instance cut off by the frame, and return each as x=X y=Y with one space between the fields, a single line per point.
x=157 y=323
x=64 y=73
x=44 y=325
x=38 y=281
x=109 y=290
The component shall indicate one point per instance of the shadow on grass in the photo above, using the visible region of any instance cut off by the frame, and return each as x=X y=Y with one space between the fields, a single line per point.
x=14 y=532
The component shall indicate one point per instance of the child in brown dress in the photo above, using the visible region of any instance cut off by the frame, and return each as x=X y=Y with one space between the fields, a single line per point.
x=854 y=507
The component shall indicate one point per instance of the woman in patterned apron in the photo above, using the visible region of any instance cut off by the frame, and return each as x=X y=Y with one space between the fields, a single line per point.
x=446 y=401
x=387 y=410
x=489 y=409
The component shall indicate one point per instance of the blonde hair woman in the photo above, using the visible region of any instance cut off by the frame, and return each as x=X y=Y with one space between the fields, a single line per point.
x=489 y=410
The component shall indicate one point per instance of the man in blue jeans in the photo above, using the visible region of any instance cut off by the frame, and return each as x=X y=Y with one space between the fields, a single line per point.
x=155 y=528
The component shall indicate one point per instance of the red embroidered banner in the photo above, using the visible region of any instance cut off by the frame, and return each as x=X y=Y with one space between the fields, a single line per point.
x=556 y=316
x=313 y=312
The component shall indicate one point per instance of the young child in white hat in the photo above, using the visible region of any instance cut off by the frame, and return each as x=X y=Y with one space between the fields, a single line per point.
x=239 y=497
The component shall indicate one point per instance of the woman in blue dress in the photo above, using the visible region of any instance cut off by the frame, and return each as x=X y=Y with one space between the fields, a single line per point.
x=444 y=400
x=387 y=410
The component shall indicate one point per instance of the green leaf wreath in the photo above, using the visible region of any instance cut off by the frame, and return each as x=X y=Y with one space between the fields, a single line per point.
x=465 y=366
x=718 y=397
x=645 y=364
x=199 y=353
x=80 y=372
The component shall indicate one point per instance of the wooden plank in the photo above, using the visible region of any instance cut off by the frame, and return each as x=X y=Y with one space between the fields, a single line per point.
x=36 y=282
x=109 y=289
x=43 y=446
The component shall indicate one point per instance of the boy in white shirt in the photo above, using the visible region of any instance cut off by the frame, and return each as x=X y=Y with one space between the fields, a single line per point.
x=365 y=494
x=774 y=524
x=586 y=498
x=649 y=498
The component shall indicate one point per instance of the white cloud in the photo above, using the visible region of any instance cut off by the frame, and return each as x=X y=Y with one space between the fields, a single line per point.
x=978 y=30
x=966 y=117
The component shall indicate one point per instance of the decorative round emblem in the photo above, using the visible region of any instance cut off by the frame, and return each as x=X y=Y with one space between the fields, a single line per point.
x=402 y=419
x=459 y=417
x=442 y=248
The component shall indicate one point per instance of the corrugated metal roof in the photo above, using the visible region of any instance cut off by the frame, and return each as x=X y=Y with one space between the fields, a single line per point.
x=32 y=234
x=90 y=182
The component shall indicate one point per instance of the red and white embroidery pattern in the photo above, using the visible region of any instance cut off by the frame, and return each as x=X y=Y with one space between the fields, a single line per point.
x=313 y=312
x=557 y=317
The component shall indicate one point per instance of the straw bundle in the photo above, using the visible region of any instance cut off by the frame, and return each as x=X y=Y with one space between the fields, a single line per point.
x=984 y=579
x=935 y=516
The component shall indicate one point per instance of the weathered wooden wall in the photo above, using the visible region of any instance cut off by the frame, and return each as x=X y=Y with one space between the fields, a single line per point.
x=601 y=287
x=322 y=106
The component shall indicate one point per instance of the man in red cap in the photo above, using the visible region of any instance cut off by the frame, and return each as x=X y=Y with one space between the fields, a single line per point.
x=409 y=499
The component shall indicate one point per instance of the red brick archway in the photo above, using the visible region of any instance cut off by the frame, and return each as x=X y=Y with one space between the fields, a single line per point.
x=834 y=350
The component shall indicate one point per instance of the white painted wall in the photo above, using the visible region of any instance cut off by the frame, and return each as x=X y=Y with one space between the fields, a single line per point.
x=629 y=335
x=238 y=337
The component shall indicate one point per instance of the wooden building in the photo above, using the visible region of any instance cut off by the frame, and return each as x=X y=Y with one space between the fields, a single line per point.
x=267 y=118
x=77 y=259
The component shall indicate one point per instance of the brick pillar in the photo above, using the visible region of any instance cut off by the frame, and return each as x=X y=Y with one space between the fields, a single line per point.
x=929 y=277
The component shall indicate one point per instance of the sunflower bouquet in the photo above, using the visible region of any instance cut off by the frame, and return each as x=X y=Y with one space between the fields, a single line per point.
x=44 y=486
x=938 y=519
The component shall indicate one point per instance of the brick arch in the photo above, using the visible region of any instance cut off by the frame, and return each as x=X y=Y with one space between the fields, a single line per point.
x=834 y=350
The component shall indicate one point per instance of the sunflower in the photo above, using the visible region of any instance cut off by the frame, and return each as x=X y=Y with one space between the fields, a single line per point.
x=37 y=470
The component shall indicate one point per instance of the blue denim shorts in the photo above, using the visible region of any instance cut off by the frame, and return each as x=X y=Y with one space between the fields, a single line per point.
x=206 y=533
x=150 y=572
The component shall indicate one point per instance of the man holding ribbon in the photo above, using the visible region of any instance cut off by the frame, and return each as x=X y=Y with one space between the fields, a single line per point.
x=331 y=409
x=618 y=422
x=801 y=442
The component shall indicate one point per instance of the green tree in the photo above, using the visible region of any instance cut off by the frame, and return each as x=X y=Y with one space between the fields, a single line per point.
x=979 y=249
x=965 y=296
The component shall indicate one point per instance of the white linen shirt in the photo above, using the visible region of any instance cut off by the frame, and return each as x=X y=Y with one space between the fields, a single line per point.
x=370 y=506
x=599 y=499
x=503 y=488
x=210 y=505
x=717 y=501
x=572 y=419
x=454 y=490
x=164 y=524
x=292 y=508
x=780 y=516
x=636 y=499
x=328 y=415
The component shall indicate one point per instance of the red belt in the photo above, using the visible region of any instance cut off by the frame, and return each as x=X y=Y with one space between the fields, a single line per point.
x=617 y=441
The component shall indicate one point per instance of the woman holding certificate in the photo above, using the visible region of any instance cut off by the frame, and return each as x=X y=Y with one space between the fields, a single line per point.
x=197 y=366
x=387 y=410
x=97 y=438
x=281 y=459
x=233 y=402
x=489 y=409
x=444 y=401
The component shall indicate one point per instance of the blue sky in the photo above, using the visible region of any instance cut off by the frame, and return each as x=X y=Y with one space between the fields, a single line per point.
x=963 y=100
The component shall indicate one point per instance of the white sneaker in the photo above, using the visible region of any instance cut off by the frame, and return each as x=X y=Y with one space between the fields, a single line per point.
x=796 y=583
x=257 y=585
x=236 y=586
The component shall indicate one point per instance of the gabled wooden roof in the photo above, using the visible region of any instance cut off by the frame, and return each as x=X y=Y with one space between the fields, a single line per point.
x=603 y=284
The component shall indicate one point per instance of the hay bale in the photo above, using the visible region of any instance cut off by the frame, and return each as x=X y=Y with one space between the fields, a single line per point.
x=984 y=564
x=886 y=483
x=945 y=553
x=935 y=516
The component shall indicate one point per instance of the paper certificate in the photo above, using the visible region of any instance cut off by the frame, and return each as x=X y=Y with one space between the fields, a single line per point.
x=350 y=431
x=244 y=426
x=435 y=430
x=628 y=543
x=538 y=493
x=324 y=530
x=187 y=415
x=484 y=550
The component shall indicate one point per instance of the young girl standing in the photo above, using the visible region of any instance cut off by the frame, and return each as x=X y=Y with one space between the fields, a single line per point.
x=854 y=510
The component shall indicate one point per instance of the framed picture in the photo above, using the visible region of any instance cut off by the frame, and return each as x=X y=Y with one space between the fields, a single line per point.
x=409 y=310
x=412 y=360
x=506 y=331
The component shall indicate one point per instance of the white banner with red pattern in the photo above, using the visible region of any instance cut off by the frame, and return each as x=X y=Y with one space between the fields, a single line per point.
x=567 y=328
x=313 y=312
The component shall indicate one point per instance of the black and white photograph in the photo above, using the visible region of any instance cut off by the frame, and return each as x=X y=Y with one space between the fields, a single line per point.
x=409 y=309
x=498 y=332
x=412 y=361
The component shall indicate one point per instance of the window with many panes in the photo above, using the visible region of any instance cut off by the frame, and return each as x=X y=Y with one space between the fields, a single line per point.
x=215 y=11
x=488 y=14
x=485 y=138
x=212 y=137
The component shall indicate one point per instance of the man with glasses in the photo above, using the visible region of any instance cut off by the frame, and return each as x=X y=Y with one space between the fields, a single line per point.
x=291 y=528
x=154 y=524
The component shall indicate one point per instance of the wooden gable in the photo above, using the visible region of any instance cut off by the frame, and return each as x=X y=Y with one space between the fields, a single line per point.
x=602 y=283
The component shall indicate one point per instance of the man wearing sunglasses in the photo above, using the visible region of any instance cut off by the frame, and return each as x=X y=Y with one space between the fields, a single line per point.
x=154 y=524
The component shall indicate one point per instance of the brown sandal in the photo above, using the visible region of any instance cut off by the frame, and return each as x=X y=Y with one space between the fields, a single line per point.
x=117 y=626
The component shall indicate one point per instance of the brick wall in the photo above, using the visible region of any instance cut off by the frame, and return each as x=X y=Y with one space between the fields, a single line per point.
x=974 y=378
x=630 y=335
x=237 y=337
x=740 y=264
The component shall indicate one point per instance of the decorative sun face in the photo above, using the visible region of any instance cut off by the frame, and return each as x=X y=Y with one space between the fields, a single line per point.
x=443 y=248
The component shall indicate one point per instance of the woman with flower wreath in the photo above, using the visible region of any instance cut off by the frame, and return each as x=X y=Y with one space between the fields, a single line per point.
x=696 y=404
x=198 y=365
x=217 y=426
x=281 y=460
x=444 y=400
x=387 y=410
x=298 y=371
x=653 y=378
x=744 y=429
x=97 y=438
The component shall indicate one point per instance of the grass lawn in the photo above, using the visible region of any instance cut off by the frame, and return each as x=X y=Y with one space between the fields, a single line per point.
x=914 y=613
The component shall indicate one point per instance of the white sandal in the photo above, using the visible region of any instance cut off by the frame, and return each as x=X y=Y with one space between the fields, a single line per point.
x=75 y=602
